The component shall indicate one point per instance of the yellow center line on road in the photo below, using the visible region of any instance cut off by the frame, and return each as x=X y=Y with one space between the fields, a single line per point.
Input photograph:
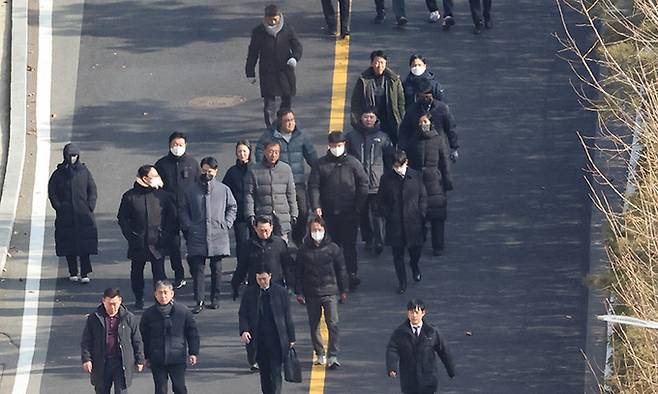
x=336 y=121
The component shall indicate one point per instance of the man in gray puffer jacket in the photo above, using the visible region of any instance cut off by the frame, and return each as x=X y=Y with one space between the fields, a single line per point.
x=206 y=215
x=296 y=148
x=270 y=190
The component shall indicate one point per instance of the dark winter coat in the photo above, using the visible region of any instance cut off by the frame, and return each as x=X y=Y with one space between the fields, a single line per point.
x=410 y=85
x=428 y=153
x=338 y=185
x=249 y=317
x=363 y=97
x=270 y=190
x=373 y=149
x=178 y=174
x=293 y=153
x=72 y=193
x=403 y=203
x=147 y=218
x=234 y=179
x=129 y=341
x=320 y=269
x=206 y=216
x=168 y=341
x=414 y=358
x=273 y=252
x=442 y=120
x=277 y=78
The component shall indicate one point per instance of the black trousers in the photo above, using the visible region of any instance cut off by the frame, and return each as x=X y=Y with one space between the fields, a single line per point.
x=438 y=233
x=399 y=8
x=371 y=223
x=270 y=361
x=299 y=230
x=85 y=265
x=398 y=261
x=198 y=267
x=242 y=232
x=480 y=9
x=176 y=260
x=343 y=230
x=162 y=374
x=447 y=7
x=137 y=274
x=269 y=108
x=330 y=14
x=112 y=376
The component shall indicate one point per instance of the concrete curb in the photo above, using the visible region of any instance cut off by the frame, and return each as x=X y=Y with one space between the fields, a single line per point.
x=17 y=126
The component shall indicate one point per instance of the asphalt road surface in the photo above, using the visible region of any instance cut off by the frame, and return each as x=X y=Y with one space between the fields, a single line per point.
x=127 y=73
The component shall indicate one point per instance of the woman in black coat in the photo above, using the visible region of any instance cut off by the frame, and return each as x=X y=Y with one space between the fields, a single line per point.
x=72 y=193
x=428 y=152
x=403 y=203
x=276 y=48
x=417 y=72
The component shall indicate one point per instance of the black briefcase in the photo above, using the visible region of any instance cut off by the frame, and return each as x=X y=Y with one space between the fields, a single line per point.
x=292 y=369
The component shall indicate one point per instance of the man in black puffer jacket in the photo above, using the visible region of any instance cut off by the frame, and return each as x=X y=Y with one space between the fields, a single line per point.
x=296 y=149
x=171 y=339
x=320 y=275
x=338 y=187
x=179 y=171
x=373 y=149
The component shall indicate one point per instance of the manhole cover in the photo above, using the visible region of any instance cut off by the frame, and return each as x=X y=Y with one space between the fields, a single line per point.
x=216 y=101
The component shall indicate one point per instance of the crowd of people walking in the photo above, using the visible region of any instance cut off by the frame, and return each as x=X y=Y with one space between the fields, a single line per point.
x=295 y=216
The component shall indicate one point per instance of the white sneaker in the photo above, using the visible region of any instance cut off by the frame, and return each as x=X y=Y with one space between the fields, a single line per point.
x=321 y=360
x=332 y=362
x=85 y=280
x=74 y=278
x=434 y=16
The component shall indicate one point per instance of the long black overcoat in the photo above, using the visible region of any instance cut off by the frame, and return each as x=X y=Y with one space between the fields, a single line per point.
x=403 y=202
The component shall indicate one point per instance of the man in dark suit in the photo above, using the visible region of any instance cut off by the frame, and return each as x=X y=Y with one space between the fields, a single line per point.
x=266 y=324
x=411 y=353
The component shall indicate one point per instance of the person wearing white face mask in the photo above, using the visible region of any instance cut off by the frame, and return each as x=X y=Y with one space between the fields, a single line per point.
x=418 y=71
x=320 y=276
x=179 y=170
x=338 y=188
x=403 y=203
x=147 y=217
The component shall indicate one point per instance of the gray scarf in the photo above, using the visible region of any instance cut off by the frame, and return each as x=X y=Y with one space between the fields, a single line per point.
x=274 y=30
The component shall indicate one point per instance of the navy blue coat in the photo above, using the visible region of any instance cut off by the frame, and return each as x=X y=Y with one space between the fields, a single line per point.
x=410 y=85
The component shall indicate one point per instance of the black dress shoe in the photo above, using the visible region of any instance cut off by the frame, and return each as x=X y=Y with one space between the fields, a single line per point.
x=379 y=248
x=477 y=29
x=344 y=35
x=402 y=21
x=488 y=24
x=402 y=289
x=354 y=282
x=214 y=305
x=417 y=277
x=198 y=307
x=437 y=252
x=379 y=19
x=447 y=22
x=331 y=31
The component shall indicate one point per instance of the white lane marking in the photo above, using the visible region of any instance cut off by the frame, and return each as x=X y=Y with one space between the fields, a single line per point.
x=39 y=200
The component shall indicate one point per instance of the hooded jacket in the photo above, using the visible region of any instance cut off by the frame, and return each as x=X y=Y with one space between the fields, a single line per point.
x=147 y=218
x=92 y=345
x=410 y=85
x=373 y=149
x=320 y=269
x=294 y=151
x=206 y=216
x=363 y=97
x=72 y=194
x=277 y=78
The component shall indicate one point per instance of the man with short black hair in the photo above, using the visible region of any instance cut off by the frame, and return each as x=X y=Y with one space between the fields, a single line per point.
x=296 y=148
x=206 y=216
x=270 y=190
x=179 y=171
x=412 y=350
x=379 y=87
x=266 y=325
x=111 y=345
x=338 y=187
x=147 y=217
x=171 y=340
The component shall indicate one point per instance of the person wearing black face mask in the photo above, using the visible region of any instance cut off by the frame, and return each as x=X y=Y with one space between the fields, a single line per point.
x=206 y=217
x=72 y=193
x=442 y=119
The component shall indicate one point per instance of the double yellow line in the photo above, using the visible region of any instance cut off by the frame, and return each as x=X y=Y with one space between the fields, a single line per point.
x=336 y=122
